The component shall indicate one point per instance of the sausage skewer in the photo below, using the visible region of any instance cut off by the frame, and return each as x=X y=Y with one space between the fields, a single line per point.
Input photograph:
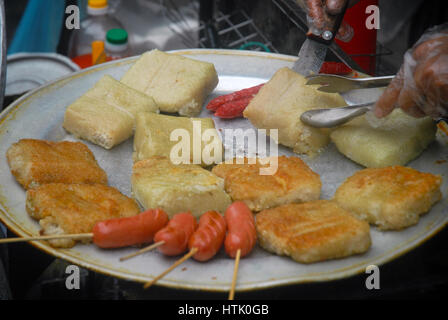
x=176 y=234
x=115 y=233
x=204 y=243
x=143 y=250
x=241 y=236
x=209 y=236
x=175 y=264
x=235 y=274
x=123 y=232
x=50 y=237
x=173 y=239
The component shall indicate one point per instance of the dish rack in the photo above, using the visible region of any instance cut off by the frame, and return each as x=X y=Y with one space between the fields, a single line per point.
x=237 y=31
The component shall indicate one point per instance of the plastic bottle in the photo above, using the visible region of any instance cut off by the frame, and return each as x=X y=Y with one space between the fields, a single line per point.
x=117 y=45
x=93 y=28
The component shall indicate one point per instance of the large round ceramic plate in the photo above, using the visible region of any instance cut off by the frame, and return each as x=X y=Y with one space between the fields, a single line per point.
x=39 y=115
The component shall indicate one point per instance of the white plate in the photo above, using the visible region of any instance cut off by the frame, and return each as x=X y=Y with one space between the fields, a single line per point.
x=39 y=115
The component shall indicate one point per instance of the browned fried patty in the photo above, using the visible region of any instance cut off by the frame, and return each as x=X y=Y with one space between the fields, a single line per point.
x=392 y=197
x=312 y=231
x=293 y=182
x=75 y=208
x=37 y=162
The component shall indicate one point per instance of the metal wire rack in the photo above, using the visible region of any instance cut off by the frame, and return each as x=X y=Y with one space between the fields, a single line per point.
x=235 y=30
x=238 y=31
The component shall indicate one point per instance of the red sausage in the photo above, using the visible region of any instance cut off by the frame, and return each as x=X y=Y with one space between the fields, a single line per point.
x=233 y=109
x=219 y=101
x=241 y=229
x=209 y=236
x=176 y=234
x=122 y=232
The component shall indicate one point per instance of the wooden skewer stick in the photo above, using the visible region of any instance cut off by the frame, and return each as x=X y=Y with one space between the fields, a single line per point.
x=235 y=273
x=175 y=264
x=50 y=237
x=145 y=249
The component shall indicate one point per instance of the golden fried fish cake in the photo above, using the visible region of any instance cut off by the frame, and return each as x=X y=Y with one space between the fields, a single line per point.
x=36 y=162
x=312 y=231
x=75 y=208
x=292 y=182
x=392 y=197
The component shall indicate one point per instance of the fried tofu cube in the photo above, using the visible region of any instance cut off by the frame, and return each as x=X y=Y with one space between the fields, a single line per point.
x=394 y=140
x=177 y=84
x=313 y=231
x=105 y=115
x=292 y=182
x=153 y=138
x=76 y=208
x=36 y=162
x=279 y=105
x=157 y=183
x=391 y=198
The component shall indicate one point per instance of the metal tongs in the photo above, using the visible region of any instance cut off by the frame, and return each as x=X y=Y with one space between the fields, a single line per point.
x=334 y=83
x=327 y=118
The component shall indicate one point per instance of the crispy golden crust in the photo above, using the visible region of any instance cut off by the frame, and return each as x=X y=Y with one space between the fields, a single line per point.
x=157 y=183
x=37 y=162
x=75 y=208
x=312 y=231
x=391 y=198
x=293 y=182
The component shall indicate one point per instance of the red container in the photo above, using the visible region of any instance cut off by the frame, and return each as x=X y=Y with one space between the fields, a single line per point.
x=85 y=60
x=362 y=47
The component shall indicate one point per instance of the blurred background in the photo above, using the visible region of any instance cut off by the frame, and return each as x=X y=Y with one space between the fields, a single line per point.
x=38 y=41
x=116 y=29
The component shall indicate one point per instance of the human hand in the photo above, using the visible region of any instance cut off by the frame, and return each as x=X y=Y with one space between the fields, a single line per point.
x=420 y=88
x=320 y=11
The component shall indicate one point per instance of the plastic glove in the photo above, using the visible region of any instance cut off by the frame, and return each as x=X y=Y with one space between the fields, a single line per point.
x=420 y=87
x=318 y=12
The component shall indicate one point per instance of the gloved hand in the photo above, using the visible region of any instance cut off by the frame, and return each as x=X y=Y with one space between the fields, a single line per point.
x=318 y=12
x=420 y=87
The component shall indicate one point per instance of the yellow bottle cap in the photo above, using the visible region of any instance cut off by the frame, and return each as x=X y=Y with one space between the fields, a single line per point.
x=97 y=4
